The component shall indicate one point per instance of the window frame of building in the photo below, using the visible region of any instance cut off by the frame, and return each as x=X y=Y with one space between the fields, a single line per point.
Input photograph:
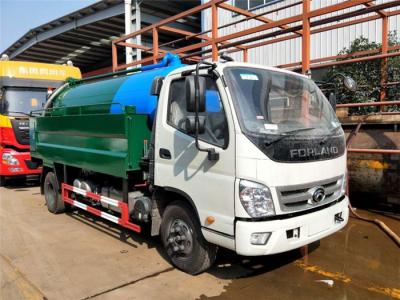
x=266 y=3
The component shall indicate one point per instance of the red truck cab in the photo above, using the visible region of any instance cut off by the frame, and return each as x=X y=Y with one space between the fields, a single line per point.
x=24 y=87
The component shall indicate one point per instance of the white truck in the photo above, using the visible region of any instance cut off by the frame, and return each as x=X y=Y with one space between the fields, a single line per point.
x=241 y=156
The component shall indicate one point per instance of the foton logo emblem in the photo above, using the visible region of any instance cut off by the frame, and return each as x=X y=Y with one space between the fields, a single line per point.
x=317 y=195
x=307 y=152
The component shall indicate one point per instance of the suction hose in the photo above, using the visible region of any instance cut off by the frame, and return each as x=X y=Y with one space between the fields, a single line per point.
x=378 y=222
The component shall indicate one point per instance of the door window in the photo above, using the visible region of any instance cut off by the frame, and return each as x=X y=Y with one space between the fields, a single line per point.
x=216 y=131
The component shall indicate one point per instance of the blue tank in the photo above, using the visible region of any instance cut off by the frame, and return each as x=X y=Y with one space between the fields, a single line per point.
x=121 y=91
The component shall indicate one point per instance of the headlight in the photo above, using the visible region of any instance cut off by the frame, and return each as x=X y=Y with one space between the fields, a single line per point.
x=256 y=199
x=344 y=184
x=8 y=159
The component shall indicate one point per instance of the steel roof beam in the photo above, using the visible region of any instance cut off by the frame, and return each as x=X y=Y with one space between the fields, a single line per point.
x=74 y=42
x=71 y=54
x=89 y=34
x=109 y=23
x=313 y=31
x=341 y=56
x=107 y=30
x=380 y=12
x=169 y=20
x=24 y=57
x=314 y=13
x=38 y=58
x=289 y=20
x=73 y=24
x=48 y=44
x=55 y=57
x=322 y=29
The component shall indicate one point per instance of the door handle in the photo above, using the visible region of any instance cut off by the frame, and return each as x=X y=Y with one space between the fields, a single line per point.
x=165 y=154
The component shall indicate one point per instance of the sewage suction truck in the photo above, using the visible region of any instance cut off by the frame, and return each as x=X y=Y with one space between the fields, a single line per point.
x=227 y=154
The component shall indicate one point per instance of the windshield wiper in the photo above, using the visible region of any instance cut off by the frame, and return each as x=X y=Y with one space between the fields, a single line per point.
x=286 y=134
x=331 y=133
x=334 y=128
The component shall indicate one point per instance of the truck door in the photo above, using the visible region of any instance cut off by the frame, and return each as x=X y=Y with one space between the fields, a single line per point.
x=181 y=167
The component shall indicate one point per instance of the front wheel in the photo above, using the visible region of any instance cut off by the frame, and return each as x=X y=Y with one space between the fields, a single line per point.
x=183 y=241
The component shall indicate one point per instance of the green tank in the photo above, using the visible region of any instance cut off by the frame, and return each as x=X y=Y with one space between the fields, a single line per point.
x=112 y=144
x=100 y=124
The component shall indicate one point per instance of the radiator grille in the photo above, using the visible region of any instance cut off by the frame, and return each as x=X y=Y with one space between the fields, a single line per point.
x=300 y=197
x=21 y=131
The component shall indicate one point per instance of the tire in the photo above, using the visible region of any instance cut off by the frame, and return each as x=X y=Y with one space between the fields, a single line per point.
x=192 y=255
x=2 y=181
x=54 y=202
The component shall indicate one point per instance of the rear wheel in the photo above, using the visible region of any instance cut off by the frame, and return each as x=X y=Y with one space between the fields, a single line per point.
x=183 y=241
x=54 y=202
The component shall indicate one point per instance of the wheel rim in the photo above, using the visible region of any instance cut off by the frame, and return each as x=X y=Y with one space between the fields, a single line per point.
x=180 y=239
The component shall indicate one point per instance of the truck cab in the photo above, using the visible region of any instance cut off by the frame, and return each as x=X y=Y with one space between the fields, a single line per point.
x=24 y=87
x=279 y=182
x=227 y=154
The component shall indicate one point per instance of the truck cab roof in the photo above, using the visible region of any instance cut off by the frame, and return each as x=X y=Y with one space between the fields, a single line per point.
x=222 y=65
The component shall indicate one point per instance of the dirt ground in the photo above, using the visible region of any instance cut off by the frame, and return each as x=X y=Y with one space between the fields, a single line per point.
x=77 y=256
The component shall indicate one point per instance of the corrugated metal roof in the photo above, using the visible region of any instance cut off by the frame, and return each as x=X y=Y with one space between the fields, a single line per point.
x=85 y=35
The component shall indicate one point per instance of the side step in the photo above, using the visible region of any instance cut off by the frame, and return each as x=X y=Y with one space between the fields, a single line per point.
x=123 y=221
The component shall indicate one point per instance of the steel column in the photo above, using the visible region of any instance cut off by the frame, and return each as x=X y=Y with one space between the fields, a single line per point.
x=245 y=55
x=214 y=31
x=305 y=40
x=155 y=45
x=114 y=57
x=384 y=61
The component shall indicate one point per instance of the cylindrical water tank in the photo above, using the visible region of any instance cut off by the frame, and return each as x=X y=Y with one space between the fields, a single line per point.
x=132 y=89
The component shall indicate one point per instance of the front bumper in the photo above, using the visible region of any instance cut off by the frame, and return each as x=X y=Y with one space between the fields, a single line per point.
x=23 y=168
x=313 y=226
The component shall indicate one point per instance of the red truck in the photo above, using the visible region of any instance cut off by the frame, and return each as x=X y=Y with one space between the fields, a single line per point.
x=24 y=87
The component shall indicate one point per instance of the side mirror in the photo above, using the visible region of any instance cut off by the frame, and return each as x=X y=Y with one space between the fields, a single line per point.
x=156 y=85
x=350 y=84
x=190 y=124
x=332 y=100
x=192 y=92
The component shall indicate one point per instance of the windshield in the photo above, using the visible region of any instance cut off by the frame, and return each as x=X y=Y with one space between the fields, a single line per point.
x=278 y=103
x=20 y=101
